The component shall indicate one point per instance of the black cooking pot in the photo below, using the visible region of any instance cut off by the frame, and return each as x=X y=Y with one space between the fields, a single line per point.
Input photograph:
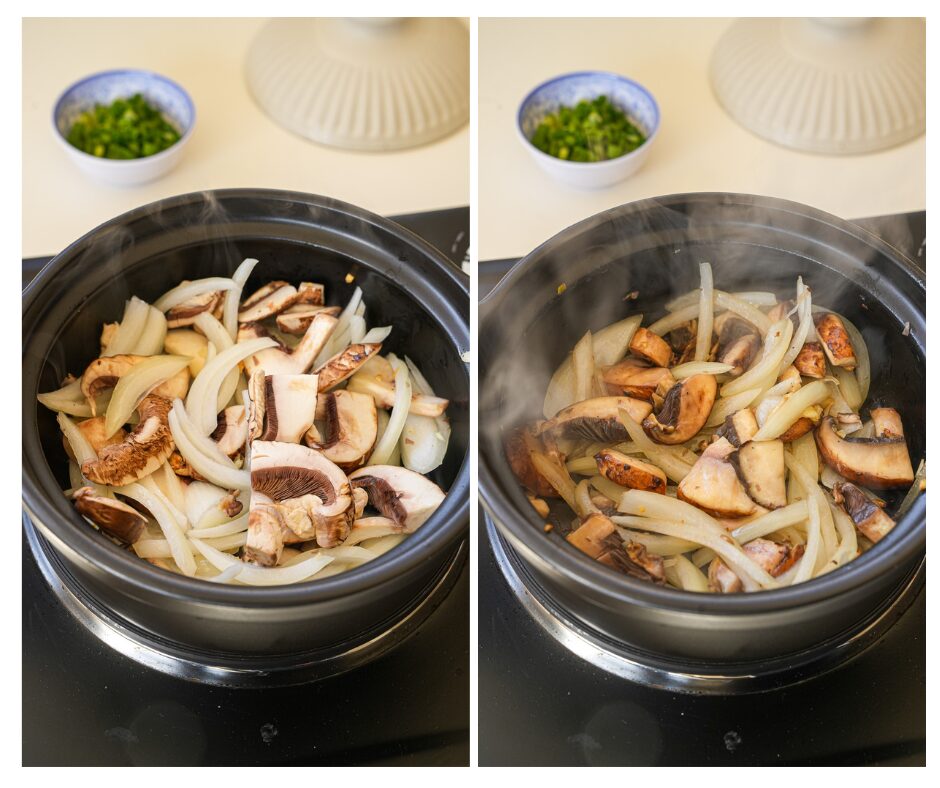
x=297 y=237
x=653 y=249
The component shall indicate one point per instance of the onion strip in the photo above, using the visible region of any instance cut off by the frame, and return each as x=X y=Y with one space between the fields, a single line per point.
x=174 y=535
x=213 y=470
x=67 y=399
x=187 y=290
x=234 y=295
x=674 y=467
x=706 y=314
x=131 y=388
x=129 y=331
x=263 y=576
x=775 y=345
x=389 y=441
x=791 y=410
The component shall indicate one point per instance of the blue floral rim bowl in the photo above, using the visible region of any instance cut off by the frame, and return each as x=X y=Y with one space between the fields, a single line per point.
x=102 y=88
x=567 y=90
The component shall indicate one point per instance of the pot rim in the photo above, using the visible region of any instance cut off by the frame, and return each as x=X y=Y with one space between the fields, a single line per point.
x=526 y=529
x=450 y=519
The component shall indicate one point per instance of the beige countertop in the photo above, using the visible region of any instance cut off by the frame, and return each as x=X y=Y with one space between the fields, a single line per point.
x=235 y=144
x=699 y=147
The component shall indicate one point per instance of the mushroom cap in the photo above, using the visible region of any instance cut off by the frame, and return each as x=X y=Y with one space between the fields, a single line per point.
x=761 y=469
x=518 y=445
x=143 y=451
x=232 y=430
x=713 y=484
x=651 y=347
x=269 y=300
x=345 y=363
x=869 y=518
x=404 y=496
x=684 y=411
x=185 y=314
x=115 y=518
x=104 y=373
x=351 y=429
x=95 y=433
x=881 y=463
x=596 y=419
x=280 y=360
x=634 y=377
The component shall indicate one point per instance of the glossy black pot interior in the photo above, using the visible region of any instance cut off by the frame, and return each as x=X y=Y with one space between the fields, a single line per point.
x=297 y=237
x=654 y=248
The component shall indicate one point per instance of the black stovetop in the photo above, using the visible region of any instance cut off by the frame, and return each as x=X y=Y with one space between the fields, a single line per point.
x=86 y=704
x=539 y=704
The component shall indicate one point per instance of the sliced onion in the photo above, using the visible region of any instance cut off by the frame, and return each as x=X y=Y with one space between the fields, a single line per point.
x=67 y=399
x=582 y=359
x=610 y=346
x=754 y=298
x=675 y=319
x=217 y=334
x=150 y=483
x=199 y=498
x=357 y=329
x=203 y=398
x=848 y=539
x=142 y=378
x=775 y=345
x=807 y=564
x=386 y=444
x=690 y=368
x=557 y=476
x=226 y=575
x=792 y=514
x=377 y=335
x=160 y=548
x=234 y=526
x=234 y=295
x=215 y=471
x=606 y=487
x=862 y=360
x=791 y=409
x=728 y=406
x=848 y=386
x=706 y=314
x=691 y=578
x=128 y=333
x=153 y=336
x=339 y=339
x=187 y=290
x=172 y=532
x=582 y=497
x=656 y=543
x=263 y=576
x=172 y=487
x=203 y=444
x=670 y=464
x=371 y=528
x=383 y=544
x=801 y=335
x=423 y=439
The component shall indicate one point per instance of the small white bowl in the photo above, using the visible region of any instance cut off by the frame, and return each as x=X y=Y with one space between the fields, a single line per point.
x=103 y=88
x=567 y=90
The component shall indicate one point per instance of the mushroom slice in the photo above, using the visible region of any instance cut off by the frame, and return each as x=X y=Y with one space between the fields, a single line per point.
x=283 y=406
x=519 y=444
x=738 y=343
x=596 y=419
x=780 y=310
x=630 y=472
x=141 y=452
x=264 y=543
x=232 y=430
x=296 y=319
x=115 y=518
x=835 y=341
x=684 y=411
x=185 y=314
x=281 y=360
x=804 y=424
x=401 y=495
x=682 y=341
x=869 y=518
x=887 y=423
x=811 y=361
x=775 y=558
x=95 y=434
x=383 y=393
x=597 y=538
x=739 y=427
x=345 y=363
x=713 y=484
x=633 y=377
x=351 y=429
x=651 y=347
x=274 y=297
x=310 y=494
x=591 y=536
x=103 y=374
x=881 y=463
x=311 y=293
x=761 y=468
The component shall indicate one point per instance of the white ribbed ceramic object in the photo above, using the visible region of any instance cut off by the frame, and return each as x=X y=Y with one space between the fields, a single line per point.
x=363 y=84
x=834 y=86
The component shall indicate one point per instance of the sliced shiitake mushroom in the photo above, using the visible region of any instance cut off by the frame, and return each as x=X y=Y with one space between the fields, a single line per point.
x=630 y=472
x=597 y=538
x=869 y=518
x=738 y=343
x=596 y=419
x=115 y=518
x=684 y=411
x=518 y=445
x=881 y=462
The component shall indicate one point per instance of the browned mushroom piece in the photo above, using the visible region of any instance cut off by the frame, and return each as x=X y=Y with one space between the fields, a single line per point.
x=296 y=320
x=596 y=419
x=264 y=542
x=185 y=314
x=590 y=537
x=182 y=468
x=835 y=341
x=597 y=538
x=383 y=392
x=651 y=347
x=282 y=406
x=636 y=378
x=231 y=432
x=761 y=469
x=269 y=300
x=115 y=518
x=780 y=310
x=519 y=443
x=684 y=411
x=869 y=518
x=104 y=373
x=804 y=424
x=94 y=432
x=811 y=361
x=311 y=294
x=887 y=423
x=738 y=343
x=345 y=363
x=401 y=495
x=143 y=451
x=881 y=462
x=739 y=427
x=774 y=557
x=307 y=492
x=351 y=429
x=630 y=472
x=714 y=486
x=281 y=360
